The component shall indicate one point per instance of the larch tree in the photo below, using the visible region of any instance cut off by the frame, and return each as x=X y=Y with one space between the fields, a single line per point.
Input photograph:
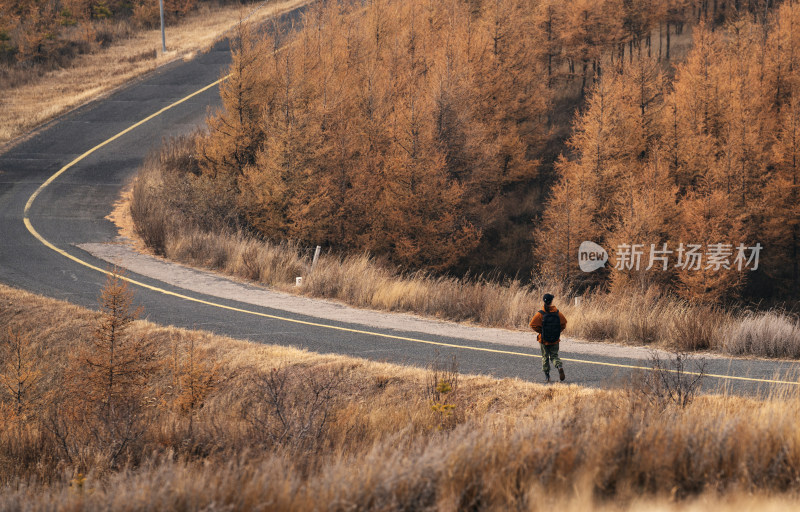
x=744 y=135
x=646 y=209
x=548 y=19
x=694 y=114
x=569 y=220
x=319 y=205
x=422 y=203
x=616 y=141
x=677 y=13
x=195 y=375
x=782 y=202
x=277 y=164
x=109 y=376
x=20 y=374
x=709 y=219
x=329 y=141
x=782 y=62
x=590 y=28
x=235 y=131
x=607 y=140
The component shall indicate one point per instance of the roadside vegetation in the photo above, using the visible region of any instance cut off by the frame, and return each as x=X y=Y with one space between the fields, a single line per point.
x=411 y=182
x=55 y=56
x=196 y=421
x=38 y=37
x=178 y=214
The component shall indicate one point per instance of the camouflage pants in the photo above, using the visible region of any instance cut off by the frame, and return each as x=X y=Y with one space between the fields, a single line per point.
x=550 y=352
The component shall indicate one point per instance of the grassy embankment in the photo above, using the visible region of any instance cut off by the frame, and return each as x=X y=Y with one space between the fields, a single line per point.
x=281 y=428
x=179 y=215
x=27 y=102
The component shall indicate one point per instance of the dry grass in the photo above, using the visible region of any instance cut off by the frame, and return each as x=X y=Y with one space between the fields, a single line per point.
x=514 y=445
x=177 y=213
x=173 y=486
x=648 y=318
x=92 y=75
x=771 y=334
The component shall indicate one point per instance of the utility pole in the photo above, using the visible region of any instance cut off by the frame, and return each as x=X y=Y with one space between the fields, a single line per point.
x=163 y=38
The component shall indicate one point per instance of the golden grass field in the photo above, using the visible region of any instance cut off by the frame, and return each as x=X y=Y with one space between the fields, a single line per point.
x=93 y=75
x=385 y=443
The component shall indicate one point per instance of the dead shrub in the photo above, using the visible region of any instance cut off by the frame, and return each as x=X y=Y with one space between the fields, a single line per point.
x=676 y=380
x=289 y=406
x=249 y=263
x=149 y=214
x=598 y=327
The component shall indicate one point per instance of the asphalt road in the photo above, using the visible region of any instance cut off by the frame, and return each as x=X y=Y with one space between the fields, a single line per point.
x=72 y=209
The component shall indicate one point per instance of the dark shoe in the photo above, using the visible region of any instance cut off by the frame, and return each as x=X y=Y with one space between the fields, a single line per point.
x=561 y=375
x=547 y=376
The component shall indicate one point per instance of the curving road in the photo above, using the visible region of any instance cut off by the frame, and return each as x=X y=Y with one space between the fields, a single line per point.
x=39 y=244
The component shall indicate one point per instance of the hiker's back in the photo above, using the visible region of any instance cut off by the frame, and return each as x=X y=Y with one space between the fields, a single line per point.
x=551 y=326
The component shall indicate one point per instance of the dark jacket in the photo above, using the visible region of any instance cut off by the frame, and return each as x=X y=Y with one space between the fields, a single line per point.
x=536 y=322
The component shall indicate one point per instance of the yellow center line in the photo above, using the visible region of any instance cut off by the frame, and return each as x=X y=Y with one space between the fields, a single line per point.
x=46 y=243
x=64 y=169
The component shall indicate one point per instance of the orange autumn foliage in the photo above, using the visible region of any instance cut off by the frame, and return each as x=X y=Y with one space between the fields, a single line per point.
x=397 y=130
x=707 y=158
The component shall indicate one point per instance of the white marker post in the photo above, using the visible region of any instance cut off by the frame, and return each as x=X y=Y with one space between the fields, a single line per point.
x=316 y=256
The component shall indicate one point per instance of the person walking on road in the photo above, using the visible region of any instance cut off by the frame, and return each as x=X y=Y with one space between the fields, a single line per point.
x=549 y=322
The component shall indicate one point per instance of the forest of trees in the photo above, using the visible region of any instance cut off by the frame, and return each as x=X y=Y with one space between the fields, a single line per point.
x=441 y=135
x=418 y=130
x=708 y=157
x=397 y=131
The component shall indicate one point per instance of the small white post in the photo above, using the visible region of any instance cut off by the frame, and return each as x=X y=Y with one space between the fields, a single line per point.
x=578 y=301
x=316 y=256
x=298 y=281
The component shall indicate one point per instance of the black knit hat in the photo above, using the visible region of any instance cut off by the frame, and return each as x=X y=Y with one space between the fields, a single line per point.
x=548 y=298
